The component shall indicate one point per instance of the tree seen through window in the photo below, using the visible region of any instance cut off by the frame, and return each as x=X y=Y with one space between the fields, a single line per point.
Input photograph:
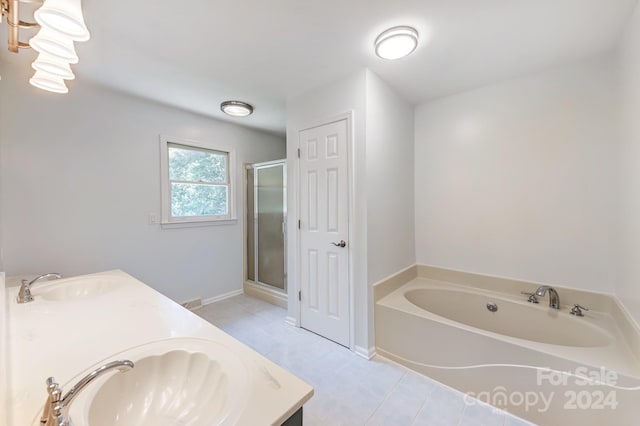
x=199 y=181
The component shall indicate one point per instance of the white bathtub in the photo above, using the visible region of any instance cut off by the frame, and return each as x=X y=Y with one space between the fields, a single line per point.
x=528 y=359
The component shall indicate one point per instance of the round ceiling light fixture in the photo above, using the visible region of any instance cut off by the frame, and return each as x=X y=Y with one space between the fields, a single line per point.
x=236 y=108
x=396 y=42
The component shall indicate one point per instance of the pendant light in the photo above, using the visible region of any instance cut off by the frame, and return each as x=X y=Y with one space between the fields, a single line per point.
x=48 y=82
x=54 y=66
x=65 y=17
x=50 y=42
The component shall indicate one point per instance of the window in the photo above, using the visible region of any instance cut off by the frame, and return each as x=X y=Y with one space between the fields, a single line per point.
x=197 y=182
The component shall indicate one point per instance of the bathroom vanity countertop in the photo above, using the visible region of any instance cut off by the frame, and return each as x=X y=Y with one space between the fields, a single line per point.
x=68 y=338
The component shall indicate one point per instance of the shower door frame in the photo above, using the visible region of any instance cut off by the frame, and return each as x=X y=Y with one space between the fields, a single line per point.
x=256 y=275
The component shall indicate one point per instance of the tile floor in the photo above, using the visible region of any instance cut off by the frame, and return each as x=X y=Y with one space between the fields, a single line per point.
x=349 y=390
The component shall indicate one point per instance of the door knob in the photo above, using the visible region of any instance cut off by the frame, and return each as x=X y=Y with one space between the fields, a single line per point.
x=342 y=244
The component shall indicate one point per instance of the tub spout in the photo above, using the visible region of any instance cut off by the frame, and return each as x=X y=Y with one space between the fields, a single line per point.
x=554 y=299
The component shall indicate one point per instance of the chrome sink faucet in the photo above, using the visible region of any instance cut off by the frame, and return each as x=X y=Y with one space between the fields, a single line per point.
x=56 y=409
x=24 y=294
x=554 y=299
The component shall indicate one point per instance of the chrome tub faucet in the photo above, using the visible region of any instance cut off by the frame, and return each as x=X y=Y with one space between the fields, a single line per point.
x=24 y=294
x=56 y=409
x=577 y=310
x=554 y=299
x=532 y=297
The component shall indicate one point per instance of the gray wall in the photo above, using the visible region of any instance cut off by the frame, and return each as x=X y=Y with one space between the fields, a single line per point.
x=516 y=179
x=80 y=174
x=390 y=181
x=628 y=168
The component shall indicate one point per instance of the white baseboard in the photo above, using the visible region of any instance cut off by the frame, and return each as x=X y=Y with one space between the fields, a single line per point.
x=193 y=304
x=291 y=321
x=222 y=297
x=268 y=295
x=365 y=353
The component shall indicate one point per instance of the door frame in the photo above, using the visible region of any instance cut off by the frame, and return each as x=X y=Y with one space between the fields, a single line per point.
x=348 y=117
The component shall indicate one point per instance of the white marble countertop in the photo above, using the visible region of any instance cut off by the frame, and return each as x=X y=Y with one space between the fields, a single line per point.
x=67 y=338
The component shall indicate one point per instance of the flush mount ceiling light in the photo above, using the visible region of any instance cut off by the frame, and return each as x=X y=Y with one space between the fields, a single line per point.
x=61 y=23
x=396 y=42
x=236 y=108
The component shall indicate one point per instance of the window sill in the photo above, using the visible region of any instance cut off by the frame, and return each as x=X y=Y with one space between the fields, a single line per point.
x=197 y=223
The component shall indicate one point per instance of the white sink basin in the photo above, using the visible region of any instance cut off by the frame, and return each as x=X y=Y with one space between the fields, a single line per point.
x=76 y=288
x=184 y=381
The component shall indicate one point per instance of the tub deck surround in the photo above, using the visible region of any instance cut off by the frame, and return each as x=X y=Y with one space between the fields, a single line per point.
x=595 y=339
x=597 y=301
x=66 y=333
x=446 y=329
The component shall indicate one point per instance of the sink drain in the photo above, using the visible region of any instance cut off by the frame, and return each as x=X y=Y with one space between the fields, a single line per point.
x=492 y=307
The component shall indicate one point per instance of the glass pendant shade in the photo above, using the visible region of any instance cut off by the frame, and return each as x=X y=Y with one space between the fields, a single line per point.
x=53 y=66
x=54 y=44
x=48 y=82
x=65 y=17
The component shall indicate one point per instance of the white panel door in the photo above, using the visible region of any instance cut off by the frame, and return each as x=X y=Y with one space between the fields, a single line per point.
x=324 y=231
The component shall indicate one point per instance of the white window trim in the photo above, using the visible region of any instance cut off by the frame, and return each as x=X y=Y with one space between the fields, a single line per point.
x=167 y=221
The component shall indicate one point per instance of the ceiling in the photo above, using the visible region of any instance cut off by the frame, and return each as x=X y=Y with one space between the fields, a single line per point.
x=198 y=53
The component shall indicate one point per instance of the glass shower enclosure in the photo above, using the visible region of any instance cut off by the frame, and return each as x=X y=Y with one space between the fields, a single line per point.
x=266 y=224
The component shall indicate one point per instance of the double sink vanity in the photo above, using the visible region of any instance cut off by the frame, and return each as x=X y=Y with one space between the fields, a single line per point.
x=120 y=353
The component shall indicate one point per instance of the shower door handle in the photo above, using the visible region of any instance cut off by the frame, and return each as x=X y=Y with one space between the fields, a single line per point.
x=342 y=244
